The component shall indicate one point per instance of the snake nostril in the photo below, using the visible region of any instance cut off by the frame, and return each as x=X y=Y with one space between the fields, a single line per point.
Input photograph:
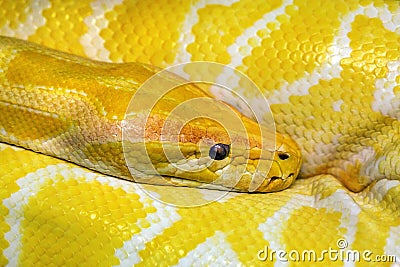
x=283 y=156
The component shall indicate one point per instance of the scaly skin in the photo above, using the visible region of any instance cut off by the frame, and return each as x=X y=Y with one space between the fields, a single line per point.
x=330 y=70
x=65 y=107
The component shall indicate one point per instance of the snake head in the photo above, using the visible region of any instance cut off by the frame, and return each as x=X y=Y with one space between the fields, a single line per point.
x=260 y=160
x=212 y=145
x=180 y=134
x=191 y=138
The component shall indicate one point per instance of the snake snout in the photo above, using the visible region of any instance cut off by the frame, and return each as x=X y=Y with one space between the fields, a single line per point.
x=289 y=159
x=285 y=167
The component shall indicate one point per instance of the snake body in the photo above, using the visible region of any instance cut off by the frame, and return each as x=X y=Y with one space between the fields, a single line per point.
x=77 y=119
x=329 y=69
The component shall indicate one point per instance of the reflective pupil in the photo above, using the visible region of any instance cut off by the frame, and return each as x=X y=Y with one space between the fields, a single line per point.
x=219 y=151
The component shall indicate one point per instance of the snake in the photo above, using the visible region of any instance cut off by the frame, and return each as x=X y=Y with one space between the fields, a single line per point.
x=91 y=177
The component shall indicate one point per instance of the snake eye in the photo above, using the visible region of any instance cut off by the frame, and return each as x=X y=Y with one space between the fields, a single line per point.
x=219 y=151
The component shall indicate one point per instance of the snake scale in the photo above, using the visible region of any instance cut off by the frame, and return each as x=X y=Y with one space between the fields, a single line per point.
x=329 y=70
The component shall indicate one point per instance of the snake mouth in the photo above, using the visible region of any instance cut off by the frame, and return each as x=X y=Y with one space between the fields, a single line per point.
x=283 y=180
x=274 y=178
x=180 y=181
x=185 y=182
x=289 y=176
